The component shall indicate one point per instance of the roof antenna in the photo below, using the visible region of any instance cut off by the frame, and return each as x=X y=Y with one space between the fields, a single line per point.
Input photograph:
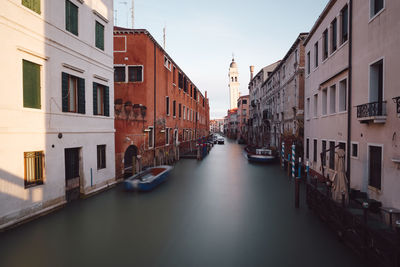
x=164 y=37
x=133 y=14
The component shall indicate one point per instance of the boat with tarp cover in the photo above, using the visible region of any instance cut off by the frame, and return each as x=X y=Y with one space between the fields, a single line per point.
x=260 y=155
x=148 y=179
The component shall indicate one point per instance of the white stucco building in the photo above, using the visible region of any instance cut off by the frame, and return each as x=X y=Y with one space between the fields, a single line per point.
x=233 y=84
x=326 y=83
x=375 y=114
x=56 y=93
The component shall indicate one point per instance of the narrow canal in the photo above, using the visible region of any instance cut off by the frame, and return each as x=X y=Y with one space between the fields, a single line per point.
x=221 y=211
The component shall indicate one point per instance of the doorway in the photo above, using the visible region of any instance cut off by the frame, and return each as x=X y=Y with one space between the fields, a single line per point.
x=72 y=173
x=130 y=158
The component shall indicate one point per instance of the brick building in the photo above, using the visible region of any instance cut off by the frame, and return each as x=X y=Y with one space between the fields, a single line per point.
x=159 y=112
x=243 y=117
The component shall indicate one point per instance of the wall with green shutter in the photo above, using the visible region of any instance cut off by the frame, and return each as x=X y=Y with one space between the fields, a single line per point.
x=32 y=4
x=31 y=84
x=71 y=17
x=99 y=35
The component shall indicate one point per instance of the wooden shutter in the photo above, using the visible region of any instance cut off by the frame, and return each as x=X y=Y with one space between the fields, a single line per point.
x=94 y=98
x=64 y=91
x=375 y=166
x=31 y=84
x=106 y=101
x=81 y=96
x=99 y=35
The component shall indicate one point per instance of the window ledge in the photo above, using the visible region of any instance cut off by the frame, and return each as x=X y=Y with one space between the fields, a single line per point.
x=376 y=15
x=373 y=119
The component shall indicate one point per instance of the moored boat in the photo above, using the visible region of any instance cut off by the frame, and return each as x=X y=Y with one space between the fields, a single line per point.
x=148 y=179
x=260 y=155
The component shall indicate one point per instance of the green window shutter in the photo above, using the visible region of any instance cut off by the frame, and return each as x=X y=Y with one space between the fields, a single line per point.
x=64 y=91
x=81 y=96
x=71 y=17
x=94 y=98
x=99 y=35
x=32 y=4
x=106 y=101
x=31 y=84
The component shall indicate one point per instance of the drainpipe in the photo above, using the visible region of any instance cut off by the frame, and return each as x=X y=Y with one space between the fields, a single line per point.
x=155 y=102
x=349 y=95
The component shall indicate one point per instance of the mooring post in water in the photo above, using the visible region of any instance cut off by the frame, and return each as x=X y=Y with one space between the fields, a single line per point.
x=288 y=164
x=297 y=193
x=308 y=170
x=91 y=177
x=299 y=168
x=293 y=161
x=283 y=156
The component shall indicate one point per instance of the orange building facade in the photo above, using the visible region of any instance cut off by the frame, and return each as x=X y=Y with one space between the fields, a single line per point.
x=159 y=112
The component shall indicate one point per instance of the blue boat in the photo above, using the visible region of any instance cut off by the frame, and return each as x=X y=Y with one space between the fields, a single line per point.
x=260 y=155
x=148 y=179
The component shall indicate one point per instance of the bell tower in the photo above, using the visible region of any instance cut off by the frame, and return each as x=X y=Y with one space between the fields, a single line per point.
x=233 y=84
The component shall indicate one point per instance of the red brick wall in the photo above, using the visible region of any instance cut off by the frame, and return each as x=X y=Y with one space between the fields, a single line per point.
x=142 y=50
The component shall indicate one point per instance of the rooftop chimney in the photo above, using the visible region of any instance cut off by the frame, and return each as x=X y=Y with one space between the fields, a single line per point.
x=251 y=72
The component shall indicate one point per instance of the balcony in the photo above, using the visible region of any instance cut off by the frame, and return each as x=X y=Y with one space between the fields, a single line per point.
x=374 y=112
x=397 y=102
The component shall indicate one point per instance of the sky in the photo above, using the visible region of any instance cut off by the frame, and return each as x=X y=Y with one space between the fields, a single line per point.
x=201 y=36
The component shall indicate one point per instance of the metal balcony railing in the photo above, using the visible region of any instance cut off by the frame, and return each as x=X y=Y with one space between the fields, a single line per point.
x=397 y=101
x=372 y=109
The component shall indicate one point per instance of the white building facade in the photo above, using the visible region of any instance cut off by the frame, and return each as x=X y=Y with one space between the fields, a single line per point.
x=56 y=91
x=326 y=83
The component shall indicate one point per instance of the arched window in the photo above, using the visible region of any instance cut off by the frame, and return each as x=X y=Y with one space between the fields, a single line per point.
x=235 y=79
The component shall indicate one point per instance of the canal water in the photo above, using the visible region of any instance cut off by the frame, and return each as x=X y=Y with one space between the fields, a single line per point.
x=221 y=211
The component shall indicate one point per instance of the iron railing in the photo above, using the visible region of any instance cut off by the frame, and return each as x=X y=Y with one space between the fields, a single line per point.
x=371 y=109
x=358 y=228
x=397 y=101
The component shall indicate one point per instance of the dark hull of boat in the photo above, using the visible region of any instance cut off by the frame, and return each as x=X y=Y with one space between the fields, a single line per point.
x=260 y=158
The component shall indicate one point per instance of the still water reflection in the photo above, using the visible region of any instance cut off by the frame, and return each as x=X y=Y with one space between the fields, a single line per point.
x=221 y=211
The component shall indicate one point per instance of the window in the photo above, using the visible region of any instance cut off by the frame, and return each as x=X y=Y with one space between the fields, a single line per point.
x=332 y=99
x=354 y=150
x=375 y=7
x=325 y=44
x=332 y=155
x=180 y=80
x=174 y=108
x=101 y=157
x=73 y=94
x=99 y=35
x=31 y=84
x=174 y=75
x=187 y=113
x=376 y=83
x=151 y=137
x=308 y=63
x=323 y=154
x=167 y=104
x=180 y=111
x=308 y=108
x=167 y=63
x=33 y=168
x=345 y=24
x=184 y=112
x=316 y=55
x=307 y=148
x=185 y=84
x=315 y=150
x=119 y=74
x=315 y=105
x=101 y=100
x=375 y=166
x=135 y=73
x=32 y=4
x=244 y=101
x=71 y=17
x=342 y=95
x=334 y=35
x=167 y=134
x=324 y=101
